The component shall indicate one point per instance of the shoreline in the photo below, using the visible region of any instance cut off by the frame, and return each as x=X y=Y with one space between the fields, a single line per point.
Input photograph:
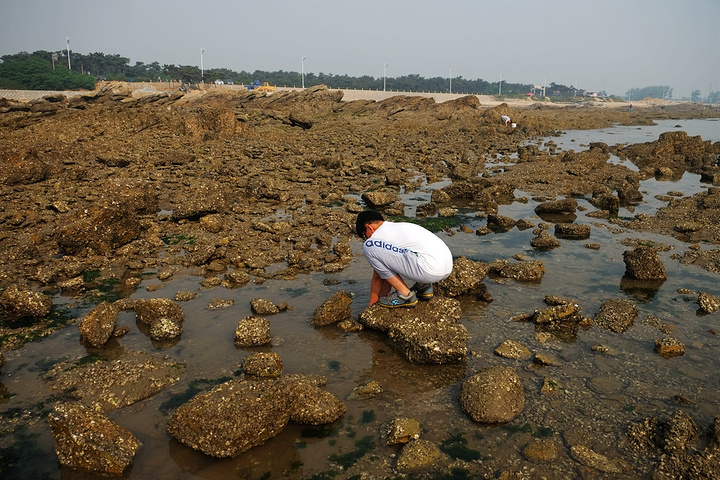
x=349 y=95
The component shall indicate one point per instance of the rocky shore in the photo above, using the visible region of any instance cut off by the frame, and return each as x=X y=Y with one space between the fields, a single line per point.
x=235 y=188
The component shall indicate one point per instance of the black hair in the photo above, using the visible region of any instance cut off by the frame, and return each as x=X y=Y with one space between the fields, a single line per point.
x=364 y=218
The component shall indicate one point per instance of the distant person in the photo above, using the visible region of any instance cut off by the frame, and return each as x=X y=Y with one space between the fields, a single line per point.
x=630 y=110
x=506 y=119
x=401 y=249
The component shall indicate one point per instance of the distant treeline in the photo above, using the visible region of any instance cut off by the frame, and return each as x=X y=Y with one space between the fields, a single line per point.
x=44 y=70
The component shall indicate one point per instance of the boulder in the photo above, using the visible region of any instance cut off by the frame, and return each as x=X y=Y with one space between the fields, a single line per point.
x=380 y=198
x=149 y=311
x=418 y=456
x=428 y=333
x=17 y=303
x=87 y=440
x=201 y=199
x=558 y=207
x=616 y=315
x=252 y=331
x=493 y=395
x=643 y=263
x=262 y=306
x=529 y=271
x=708 y=303
x=669 y=347
x=544 y=241
x=499 y=223
x=572 y=231
x=97 y=327
x=334 y=309
x=466 y=277
x=238 y=415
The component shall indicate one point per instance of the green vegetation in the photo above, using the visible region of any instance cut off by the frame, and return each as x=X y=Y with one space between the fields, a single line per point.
x=540 y=432
x=456 y=447
x=87 y=360
x=34 y=73
x=434 y=224
x=178 y=238
x=349 y=459
x=368 y=416
x=319 y=431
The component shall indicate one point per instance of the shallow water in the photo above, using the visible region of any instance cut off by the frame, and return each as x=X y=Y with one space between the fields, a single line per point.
x=600 y=393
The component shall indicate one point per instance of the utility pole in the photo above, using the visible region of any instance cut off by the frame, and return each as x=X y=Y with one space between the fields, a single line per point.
x=202 y=69
x=302 y=71
x=385 y=75
x=500 y=85
x=451 y=80
x=67 y=39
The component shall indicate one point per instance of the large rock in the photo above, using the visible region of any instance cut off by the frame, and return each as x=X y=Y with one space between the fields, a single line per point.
x=530 y=271
x=334 y=309
x=428 y=333
x=238 y=415
x=558 y=207
x=380 y=198
x=87 y=440
x=202 y=199
x=149 y=311
x=466 y=277
x=97 y=327
x=494 y=395
x=109 y=385
x=17 y=303
x=252 y=331
x=418 y=456
x=644 y=263
x=616 y=315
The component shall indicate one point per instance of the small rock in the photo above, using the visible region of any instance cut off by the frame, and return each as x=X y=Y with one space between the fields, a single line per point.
x=541 y=450
x=220 y=303
x=708 y=303
x=513 y=349
x=261 y=306
x=402 y=430
x=669 y=347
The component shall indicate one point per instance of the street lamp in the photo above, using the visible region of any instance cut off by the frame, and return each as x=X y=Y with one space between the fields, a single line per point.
x=302 y=72
x=202 y=69
x=385 y=76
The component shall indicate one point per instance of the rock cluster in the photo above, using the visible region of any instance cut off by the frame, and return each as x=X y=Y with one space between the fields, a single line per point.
x=238 y=415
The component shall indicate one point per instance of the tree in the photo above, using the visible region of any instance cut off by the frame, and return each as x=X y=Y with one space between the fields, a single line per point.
x=695 y=96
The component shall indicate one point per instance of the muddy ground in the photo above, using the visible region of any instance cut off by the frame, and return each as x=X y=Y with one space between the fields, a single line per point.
x=102 y=190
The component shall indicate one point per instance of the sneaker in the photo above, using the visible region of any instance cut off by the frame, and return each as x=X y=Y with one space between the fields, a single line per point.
x=394 y=300
x=424 y=292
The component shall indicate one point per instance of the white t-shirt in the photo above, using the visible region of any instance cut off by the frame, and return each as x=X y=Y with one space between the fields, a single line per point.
x=408 y=250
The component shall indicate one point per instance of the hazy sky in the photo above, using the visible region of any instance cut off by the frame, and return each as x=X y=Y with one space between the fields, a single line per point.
x=602 y=44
